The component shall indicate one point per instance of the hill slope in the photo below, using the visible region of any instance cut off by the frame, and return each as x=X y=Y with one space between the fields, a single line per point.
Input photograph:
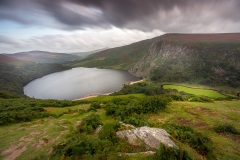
x=16 y=73
x=85 y=54
x=197 y=58
x=118 y=58
x=44 y=57
x=212 y=59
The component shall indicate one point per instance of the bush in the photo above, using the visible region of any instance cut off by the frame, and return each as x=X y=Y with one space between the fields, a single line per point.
x=111 y=108
x=108 y=132
x=81 y=146
x=226 y=128
x=129 y=111
x=90 y=123
x=94 y=106
x=200 y=99
x=170 y=153
x=136 y=120
x=153 y=104
x=196 y=140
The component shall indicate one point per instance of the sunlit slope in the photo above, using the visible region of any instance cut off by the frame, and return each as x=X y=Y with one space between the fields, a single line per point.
x=117 y=58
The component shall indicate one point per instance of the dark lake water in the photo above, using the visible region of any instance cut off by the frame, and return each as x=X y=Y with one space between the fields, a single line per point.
x=77 y=83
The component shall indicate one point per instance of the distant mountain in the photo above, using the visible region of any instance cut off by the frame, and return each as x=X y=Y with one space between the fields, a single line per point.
x=4 y=58
x=211 y=59
x=85 y=54
x=16 y=73
x=44 y=57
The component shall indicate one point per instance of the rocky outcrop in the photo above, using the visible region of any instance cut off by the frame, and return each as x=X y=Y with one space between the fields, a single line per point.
x=150 y=137
x=159 y=54
x=191 y=58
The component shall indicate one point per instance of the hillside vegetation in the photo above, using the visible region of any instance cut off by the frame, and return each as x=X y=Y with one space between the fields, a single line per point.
x=209 y=59
x=116 y=58
x=45 y=57
x=16 y=73
x=67 y=129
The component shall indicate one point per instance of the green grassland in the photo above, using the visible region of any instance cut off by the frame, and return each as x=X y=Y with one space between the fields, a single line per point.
x=39 y=136
x=195 y=91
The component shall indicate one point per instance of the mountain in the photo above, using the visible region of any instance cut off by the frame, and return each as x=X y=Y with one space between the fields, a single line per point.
x=85 y=54
x=210 y=59
x=44 y=56
x=16 y=73
x=5 y=59
x=118 y=58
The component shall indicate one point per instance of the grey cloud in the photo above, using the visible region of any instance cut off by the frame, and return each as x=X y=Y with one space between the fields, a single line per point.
x=166 y=15
x=8 y=41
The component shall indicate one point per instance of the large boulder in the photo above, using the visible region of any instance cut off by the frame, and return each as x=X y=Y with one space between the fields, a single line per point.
x=151 y=137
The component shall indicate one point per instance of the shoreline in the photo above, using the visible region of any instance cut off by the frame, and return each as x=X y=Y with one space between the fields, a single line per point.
x=106 y=94
x=92 y=96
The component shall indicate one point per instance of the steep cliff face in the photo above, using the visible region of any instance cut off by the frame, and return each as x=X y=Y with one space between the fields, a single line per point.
x=207 y=59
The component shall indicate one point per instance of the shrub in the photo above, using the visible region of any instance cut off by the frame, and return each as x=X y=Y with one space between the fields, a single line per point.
x=196 y=140
x=200 y=99
x=170 y=153
x=136 y=120
x=90 y=123
x=94 y=106
x=153 y=104
x=108 y=132
x=81 y=146
x=111 y=108
x=226 y=128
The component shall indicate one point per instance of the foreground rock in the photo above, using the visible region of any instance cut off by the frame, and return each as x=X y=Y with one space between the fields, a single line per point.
x=151 y=137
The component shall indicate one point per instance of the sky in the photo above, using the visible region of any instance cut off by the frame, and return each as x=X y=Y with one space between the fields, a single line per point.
x=68 y=26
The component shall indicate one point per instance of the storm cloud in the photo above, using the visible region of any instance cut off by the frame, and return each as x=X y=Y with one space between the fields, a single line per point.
x=83 y=25
x=145 y=15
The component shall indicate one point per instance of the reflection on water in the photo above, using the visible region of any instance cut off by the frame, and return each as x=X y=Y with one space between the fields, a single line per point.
x=77 y=82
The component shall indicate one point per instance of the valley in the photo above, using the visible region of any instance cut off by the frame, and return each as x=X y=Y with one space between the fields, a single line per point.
x=190 y=89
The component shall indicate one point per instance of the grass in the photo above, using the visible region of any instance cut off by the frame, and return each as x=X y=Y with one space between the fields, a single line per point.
x=41 y=135
x=204 y=117
x=195 y=91
x=109 y=98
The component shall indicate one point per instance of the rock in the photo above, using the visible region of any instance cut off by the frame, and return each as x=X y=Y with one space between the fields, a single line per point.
x=98 y=129
x=151 y=137
x=147 y=153
x=127 y=126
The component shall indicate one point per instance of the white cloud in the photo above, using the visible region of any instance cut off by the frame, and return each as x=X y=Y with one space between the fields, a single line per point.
x=82 y=40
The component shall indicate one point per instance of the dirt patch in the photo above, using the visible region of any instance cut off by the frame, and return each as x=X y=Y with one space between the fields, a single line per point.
x=53 y=140
x=15 y=154
x=35 y=133
x=185 y=122
x=39 y=144
x=14 y=151
x=201 y=109
x=235 y=138
x=26 y=139
x=9 y=150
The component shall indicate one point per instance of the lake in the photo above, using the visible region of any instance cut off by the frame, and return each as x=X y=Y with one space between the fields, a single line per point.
x=77 y=83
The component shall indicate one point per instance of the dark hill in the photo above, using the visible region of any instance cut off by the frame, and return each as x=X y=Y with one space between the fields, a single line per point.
x=4 y=58
x=45 y=57
x=16 y=73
